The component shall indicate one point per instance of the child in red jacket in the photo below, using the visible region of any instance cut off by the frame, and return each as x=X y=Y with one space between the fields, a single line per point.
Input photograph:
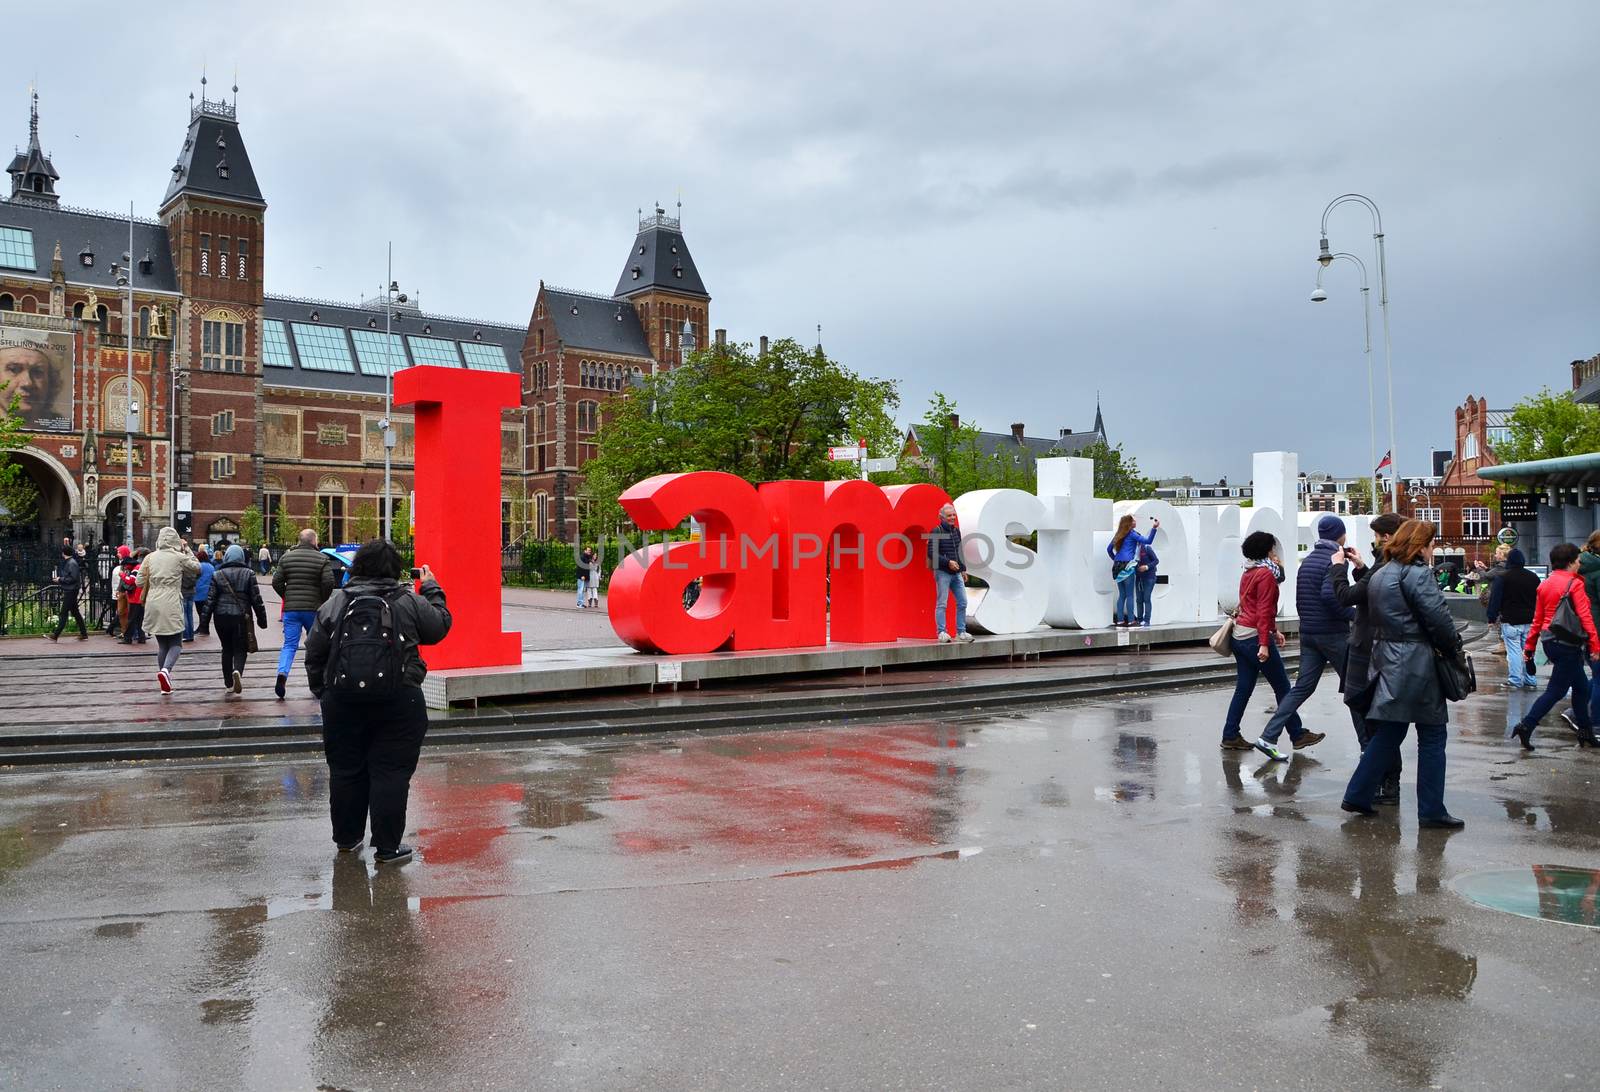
x=128 y=584
x=1566 y=644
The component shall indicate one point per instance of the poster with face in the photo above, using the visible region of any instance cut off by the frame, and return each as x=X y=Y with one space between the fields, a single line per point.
x=36 y=371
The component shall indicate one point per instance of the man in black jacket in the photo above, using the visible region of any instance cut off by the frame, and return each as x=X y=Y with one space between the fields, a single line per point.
x=949 y=574
x=304 y=580
x=1511 y=604
x=69 y=578
x=1350 y=589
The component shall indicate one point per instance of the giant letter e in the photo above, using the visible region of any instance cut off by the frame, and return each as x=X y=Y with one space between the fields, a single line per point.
x=458 y=504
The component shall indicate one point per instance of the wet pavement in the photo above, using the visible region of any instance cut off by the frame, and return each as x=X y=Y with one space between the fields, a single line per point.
x=1089 y=895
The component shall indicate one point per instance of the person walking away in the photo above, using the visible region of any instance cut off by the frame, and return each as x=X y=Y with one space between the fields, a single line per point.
x=1565 y=616
x=264 y=558
x=1351 y=591
x=585 y=561
x=69 y=578
x=949 y=575
x=233 y=597
x=1144 y=593
x=128 y=575
x=1589 y=569
x=304 y=580
x=161 y=578
x=202 y=591
x=1324 y=632
x=1512 y=596
x=364 y=664
x=1256 y=640
x=1412 y=626
x=191 y=582
x=1123 y=549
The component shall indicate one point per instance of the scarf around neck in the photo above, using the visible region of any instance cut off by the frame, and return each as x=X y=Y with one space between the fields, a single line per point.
x=1277 y=570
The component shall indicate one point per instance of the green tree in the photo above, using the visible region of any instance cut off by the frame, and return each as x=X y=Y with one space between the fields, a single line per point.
x=1359 y=493
x=1116 y=473
x=319 y=520
x=19 y=496
x=285 y=530
x=250 y=526
x=402 y=522
x=764 y=417
x=1550 y=425
x=952 y=459
x=364 y=525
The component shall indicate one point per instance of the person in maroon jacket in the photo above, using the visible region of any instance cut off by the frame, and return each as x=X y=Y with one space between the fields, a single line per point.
x=1566 y=648
x=1256 y=640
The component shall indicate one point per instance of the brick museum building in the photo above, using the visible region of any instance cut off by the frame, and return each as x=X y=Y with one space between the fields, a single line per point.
x=238 y=397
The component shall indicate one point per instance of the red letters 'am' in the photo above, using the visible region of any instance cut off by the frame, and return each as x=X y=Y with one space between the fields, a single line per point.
x=458 y=504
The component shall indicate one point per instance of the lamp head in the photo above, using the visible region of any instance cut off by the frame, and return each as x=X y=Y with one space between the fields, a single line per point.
x=1325 y=257
x=1318 y=294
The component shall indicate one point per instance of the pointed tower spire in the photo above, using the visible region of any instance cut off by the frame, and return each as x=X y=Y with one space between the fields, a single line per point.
x=33 y=120
x=1099 y=421
x=33 y=177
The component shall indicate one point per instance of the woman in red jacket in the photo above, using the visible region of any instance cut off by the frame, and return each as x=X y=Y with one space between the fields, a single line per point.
x=1566 y=647
x=1256 y=640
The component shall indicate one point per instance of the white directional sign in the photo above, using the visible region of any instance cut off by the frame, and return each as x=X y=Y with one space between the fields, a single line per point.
x=844 y=454
x=875 y=466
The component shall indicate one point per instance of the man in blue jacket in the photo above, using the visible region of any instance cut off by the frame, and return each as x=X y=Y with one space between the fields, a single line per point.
x=1324 y=634
x=949 y=574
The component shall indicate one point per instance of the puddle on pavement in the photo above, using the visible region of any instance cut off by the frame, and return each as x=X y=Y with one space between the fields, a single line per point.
x=1548 y=892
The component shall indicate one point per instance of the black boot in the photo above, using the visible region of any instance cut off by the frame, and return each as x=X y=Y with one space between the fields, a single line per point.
x=278 y=687
x=1389 y=793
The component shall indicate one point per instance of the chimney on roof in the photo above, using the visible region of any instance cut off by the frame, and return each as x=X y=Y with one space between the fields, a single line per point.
x=722 y=339
x=1016 y=431
x=1065 y=433
x=763 y=344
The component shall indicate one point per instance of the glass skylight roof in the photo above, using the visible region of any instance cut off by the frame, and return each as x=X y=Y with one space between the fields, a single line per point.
x=16 y=249
x=322 y=348
x=432 y=350
x=275 y=345
x=484 y=358
x=373 y=355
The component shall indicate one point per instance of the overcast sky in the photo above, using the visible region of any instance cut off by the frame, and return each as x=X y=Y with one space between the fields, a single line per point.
x=1015 y=204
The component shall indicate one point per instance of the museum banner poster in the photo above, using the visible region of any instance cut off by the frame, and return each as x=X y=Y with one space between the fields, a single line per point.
x=36 y=371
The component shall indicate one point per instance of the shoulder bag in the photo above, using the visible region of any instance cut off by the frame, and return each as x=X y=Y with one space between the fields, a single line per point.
x=244 y=611
x=1457 y=678
x=1221 y=642
x=1565 y=625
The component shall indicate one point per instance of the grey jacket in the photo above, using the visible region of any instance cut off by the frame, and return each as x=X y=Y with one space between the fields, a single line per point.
x=1409 y=621
x=305 y=578
x=421 y=617
x=1354 y=594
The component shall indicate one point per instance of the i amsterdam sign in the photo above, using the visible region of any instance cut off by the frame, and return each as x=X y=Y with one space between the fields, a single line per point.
x=794 y=564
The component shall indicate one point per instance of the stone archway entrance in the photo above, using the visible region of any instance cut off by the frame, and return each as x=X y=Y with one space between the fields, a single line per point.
x=114 y=529
x=51 y=494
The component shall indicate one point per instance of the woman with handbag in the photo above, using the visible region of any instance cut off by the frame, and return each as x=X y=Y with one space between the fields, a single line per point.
x=1412 y=630
x=1123 y=550
x=235 y=596
x=1563 y=614
x=1255 y=639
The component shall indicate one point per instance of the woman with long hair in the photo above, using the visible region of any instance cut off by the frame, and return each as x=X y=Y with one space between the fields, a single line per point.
x=1124 y=553
x=1412 y=627
x=1256 y=640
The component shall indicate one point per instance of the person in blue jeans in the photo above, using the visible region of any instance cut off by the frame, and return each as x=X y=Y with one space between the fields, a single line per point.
x=1256 y=639
x=1412 y=626
x=1512 y=594
x=1566 y=649
x=1123 y=549
x=1145 y=592
x=305 y=578
x=949 y=575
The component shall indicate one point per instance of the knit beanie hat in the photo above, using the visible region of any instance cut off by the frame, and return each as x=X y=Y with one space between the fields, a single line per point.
x=1330 y=528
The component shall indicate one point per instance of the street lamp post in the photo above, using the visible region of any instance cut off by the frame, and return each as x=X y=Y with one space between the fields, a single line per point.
x=123 y=273
x=1318 y=296
x=1325 y=258
x=391 y=296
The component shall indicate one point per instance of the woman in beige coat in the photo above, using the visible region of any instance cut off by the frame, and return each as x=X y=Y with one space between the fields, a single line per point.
x=161 y=576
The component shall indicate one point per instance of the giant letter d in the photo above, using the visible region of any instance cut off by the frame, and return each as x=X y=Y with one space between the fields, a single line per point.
x=458 y=504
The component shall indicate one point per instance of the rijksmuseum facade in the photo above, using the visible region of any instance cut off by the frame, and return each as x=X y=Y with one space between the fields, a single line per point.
x=242 y=397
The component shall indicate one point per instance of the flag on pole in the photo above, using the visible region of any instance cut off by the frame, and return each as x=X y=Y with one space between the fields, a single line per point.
x=1386 y=461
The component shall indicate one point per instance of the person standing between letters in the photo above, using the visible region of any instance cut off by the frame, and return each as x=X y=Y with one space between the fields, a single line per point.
x=304 y=580
x=949 y=574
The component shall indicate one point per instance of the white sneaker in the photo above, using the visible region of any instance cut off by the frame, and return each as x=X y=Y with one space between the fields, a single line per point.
x=164 y=681
x=965 y=638
x=944 y=638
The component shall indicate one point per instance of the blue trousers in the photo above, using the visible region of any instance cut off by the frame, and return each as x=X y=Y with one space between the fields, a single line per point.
x=1251 y=669
x=1515 y=637
x=1566 y=673
x=1143 y=594
x=948 y=583
x=582 y=583
x=188 y=618
x=1317 y=651
x=1383 y=753
x=295 y=622
x=1126 y=591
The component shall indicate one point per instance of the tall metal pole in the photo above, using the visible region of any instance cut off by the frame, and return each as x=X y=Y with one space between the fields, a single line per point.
x=127 y=442
x=1383 y=303
x=388 y=395
x=1366 y=329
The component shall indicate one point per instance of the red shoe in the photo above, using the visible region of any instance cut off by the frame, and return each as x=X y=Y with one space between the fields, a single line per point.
x=164 y=682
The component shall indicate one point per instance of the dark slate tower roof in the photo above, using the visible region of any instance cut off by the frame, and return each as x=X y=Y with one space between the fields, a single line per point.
x=660 y=260
x=587 y=321
x=213 y=162
x=33 y=176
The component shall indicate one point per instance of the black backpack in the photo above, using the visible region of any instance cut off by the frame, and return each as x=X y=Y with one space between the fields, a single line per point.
x=367 y=654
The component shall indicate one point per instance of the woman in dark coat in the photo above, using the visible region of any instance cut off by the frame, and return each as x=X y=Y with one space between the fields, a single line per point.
x=234 y=597
x=1410 y=623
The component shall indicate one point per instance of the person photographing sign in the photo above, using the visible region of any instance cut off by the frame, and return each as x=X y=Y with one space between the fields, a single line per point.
x=363 y=662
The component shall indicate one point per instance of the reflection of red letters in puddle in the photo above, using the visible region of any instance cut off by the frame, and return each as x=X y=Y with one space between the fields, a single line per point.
x=458 y=504
x=770 y=562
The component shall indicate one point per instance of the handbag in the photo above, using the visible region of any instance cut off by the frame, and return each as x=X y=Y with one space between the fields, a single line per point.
x=1457 y=678
x=1565 y=625
x=1221 y=642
